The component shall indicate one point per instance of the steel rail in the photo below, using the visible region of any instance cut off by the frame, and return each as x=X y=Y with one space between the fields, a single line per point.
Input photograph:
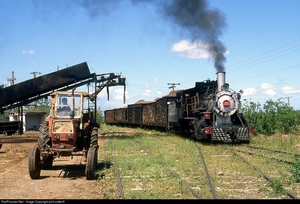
x=212 y=188
x=274 y=158
x=264 y=174
x=117 y=171
x=274 y=150
x=175 y=175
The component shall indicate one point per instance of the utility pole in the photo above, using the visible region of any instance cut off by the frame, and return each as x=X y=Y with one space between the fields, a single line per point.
x=34 y=76
x=173 y=85
x=288 y=98
x=11 y=81
x=34 y=73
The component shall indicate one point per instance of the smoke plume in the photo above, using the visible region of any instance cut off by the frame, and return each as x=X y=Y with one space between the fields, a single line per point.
x=201 y=23
x=194 y=16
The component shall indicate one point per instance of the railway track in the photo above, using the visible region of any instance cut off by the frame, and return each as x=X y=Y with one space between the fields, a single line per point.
x=220 y=184
x=120 y=185
x=174 y=174
x=266 y=176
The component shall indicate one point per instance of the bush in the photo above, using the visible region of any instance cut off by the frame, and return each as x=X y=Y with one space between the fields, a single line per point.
x=295 y=170
x=271 y=117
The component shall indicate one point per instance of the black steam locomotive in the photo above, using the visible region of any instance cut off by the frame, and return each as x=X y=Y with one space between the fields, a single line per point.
x=209 y=111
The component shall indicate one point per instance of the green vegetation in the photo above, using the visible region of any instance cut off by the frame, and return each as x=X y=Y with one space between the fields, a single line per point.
x=145 y=157
x=295 y=170
x=271 y=117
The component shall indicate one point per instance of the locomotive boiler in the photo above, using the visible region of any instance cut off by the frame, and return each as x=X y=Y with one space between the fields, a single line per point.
x=209 y=111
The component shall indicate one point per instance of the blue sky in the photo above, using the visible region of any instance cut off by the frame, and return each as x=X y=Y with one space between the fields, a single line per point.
x=260 y=44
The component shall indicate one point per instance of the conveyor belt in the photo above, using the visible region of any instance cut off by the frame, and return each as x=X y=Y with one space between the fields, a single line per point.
x=31 y=90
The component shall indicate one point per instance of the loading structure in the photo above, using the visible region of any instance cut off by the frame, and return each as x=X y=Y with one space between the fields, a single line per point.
x=26 y=92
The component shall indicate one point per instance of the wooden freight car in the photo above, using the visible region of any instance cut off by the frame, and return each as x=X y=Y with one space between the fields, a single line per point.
x=165 y=111
x=109 y=116
x=134 y=114
x=149 y=114
x=159 y=113
x=121 y=115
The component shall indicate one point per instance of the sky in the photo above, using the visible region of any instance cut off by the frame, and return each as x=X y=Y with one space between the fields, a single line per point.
x=154 y=43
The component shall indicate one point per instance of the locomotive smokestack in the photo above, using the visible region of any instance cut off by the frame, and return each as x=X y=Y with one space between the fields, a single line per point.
x=220 y=79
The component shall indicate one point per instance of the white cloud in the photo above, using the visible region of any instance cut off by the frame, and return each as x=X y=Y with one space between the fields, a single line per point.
x=116 y=94
x=268 y=89
x=191 y=50
x=266 y=86
x=195 y=50
x=249 y=91
x=270 y=92
x=155 y=80
x=24 y=52
x=289 y=90
x=160 y=93
x=103 y=93
x=147 y=92
x=119 y=94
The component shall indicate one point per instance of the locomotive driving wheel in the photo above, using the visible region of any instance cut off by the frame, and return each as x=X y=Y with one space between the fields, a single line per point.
x=34 y=162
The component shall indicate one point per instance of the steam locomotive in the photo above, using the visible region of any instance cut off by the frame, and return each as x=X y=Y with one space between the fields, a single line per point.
x=209 y=111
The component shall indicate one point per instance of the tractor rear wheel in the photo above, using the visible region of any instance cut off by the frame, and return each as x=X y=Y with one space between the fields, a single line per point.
x=44 y=140
x=91 y=164
x=94 y=140
x=34 y=162
x=44 y=143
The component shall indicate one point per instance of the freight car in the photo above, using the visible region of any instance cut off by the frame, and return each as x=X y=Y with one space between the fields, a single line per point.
x=209 y=111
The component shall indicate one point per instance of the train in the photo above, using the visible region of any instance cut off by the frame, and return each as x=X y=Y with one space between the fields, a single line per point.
x=210 y=112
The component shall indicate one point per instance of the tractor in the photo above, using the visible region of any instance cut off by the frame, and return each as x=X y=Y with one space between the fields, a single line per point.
x=69 y=130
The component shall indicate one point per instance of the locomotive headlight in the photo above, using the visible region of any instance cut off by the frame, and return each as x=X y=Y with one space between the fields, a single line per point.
x=69 y=137
x=56 y=137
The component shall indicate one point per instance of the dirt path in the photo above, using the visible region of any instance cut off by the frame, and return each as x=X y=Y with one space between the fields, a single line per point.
x=65 y=181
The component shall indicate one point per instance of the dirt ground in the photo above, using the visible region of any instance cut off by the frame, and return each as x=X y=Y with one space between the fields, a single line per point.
x=66 y=180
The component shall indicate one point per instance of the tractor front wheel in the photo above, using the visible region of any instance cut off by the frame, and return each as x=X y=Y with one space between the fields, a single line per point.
x=34 y=162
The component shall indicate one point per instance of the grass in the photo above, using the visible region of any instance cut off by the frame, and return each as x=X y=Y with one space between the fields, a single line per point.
x=148 y=158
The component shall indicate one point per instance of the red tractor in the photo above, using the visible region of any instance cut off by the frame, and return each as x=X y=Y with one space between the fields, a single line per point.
x=70 y=130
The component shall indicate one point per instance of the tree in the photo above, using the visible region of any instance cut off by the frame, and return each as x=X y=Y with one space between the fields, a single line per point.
x=39 y=105
x=271 y=117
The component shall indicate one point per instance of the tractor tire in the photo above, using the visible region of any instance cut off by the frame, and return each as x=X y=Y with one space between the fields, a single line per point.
x=94 y=138
x=34 y=162
x=91 y=164
x=44 y=141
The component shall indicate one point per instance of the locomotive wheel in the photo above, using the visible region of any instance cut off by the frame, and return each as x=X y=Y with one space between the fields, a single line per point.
x=91 y=163
x=34 y=162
